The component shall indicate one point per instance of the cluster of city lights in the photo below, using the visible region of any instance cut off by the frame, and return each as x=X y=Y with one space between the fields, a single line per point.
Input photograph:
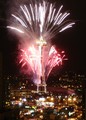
x=61 y=106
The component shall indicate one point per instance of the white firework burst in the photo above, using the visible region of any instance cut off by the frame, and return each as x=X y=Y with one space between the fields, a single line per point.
x=40 y=19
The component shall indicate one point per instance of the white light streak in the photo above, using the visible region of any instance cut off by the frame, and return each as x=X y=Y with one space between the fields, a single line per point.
x=40 y=19
x=13 y=28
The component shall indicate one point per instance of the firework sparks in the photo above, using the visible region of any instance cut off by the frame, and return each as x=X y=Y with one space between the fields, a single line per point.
x=55 y=58
x=32 y=58
x=40 y=19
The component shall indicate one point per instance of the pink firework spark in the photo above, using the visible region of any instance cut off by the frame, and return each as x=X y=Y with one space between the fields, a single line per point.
x=55 y=58
x=41 y=64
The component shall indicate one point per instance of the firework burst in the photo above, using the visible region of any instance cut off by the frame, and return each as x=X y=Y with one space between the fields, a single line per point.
x=40 y=21
x=39 y=63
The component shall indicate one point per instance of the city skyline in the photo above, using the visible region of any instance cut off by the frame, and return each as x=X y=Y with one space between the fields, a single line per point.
x=71 y=40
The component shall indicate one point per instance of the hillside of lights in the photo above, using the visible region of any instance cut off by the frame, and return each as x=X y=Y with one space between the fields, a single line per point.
x=37 y=23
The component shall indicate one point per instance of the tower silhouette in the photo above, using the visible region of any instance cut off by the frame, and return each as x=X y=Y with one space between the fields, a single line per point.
x=42 y=86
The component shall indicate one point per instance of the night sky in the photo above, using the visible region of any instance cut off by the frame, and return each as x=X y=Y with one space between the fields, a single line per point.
x=72 y=41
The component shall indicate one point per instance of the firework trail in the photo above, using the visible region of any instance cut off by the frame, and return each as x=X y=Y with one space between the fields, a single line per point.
x=35 y=57
x=41 y=64
x=40 y=21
